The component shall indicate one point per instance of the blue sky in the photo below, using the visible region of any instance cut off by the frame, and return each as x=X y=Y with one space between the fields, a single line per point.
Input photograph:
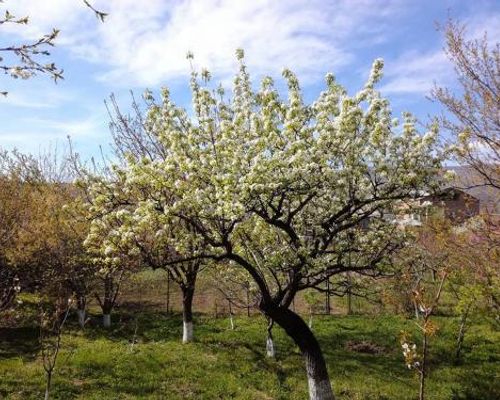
x=143 y=45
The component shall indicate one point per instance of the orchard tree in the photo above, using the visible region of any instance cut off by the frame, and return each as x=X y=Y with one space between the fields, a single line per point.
x=303 y=186
x=313 y=300
x=111 y=264
x=137 y=234
x=20 y=184
x=155 y=252
x=79 y=268
x=48 y=244
x=427 y=258
x=473 y=117
x=475 y=277
x=53 y=312
x=474 y=121
x=125 y=223
x=111 y=261
x=235 y=287
x=13 y=207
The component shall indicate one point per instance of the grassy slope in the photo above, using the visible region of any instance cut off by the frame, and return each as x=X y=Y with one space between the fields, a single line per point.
x=99 y=364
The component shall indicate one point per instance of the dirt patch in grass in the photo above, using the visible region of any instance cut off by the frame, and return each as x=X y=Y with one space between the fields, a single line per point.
x=364 y=346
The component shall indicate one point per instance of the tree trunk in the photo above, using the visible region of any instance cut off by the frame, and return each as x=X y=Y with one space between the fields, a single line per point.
x=421 y=394
x=107 y=303
x=349 y=295
x=81 y=305
x=423 y=368
x=231 y=315
x=168 y=291
x=317 y=373
x=328 y=307
x=47 y=385
x=270 y=350
x=81 y=317
x=461 y=332
x=187 y=313
x=106 y=320
x=248 y=301
x=415 y=307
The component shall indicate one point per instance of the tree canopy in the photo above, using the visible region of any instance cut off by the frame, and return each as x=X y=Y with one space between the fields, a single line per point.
x=292 y=193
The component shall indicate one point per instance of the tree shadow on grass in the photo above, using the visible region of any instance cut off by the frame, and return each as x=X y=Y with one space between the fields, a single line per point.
x=477 y=384
x=144 y=326
x=19 y=342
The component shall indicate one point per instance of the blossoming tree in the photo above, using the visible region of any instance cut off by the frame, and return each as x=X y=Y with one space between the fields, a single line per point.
x=281 y=189
x=105 y=240
x=149 y=244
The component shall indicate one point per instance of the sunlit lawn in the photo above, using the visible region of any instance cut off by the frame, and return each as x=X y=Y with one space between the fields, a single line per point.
x=100 y=364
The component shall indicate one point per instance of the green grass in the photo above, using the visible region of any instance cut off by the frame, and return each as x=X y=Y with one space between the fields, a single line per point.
x=225 y=364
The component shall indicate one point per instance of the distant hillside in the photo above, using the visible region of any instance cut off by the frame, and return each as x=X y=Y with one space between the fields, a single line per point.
x=469 y=181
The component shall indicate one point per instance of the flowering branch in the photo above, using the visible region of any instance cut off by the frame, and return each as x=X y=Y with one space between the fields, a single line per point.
x=24 y=60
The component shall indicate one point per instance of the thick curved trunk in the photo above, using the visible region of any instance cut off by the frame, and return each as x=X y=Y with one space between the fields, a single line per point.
x=187 y=314
x=317 y=373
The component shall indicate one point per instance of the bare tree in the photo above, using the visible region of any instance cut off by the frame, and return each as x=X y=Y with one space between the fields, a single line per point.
x=474 y=117
x=51 y=328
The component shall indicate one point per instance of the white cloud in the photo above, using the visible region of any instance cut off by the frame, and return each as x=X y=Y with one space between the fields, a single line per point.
x=416 y=72
x=476 y=26
x=145 y=43
x=45 y=15
x=38 y=133
x=42 y=96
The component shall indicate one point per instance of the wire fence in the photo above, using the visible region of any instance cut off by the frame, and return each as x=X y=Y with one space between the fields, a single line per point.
x=159 y=294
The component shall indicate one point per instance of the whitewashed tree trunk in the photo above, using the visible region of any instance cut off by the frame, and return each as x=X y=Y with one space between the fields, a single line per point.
x=317 y=374
x=270 y=351
x=106 y=320
x=47 y=386
x=187 y=331
x=319 y=390
x=231 y=314
x=81 y=317
x=187 y=313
